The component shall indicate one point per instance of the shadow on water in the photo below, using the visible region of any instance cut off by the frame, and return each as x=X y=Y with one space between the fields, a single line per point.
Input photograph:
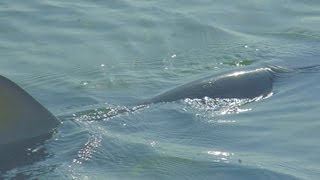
x=22 y=153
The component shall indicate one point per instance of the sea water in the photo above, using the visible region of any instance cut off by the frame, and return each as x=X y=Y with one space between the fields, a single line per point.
x=86 y=60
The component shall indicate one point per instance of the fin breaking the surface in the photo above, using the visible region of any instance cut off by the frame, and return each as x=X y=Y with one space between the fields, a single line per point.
x=21 y=116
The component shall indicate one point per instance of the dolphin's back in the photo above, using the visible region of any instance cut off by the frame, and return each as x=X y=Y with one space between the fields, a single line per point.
x=21 y=116
x=240 y=84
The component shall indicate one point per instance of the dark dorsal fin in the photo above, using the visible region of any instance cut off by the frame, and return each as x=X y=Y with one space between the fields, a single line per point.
x=21 y=116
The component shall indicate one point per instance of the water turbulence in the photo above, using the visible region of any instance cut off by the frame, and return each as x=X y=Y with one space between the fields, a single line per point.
x=106 y=113
x=223 y=93
x=206 y=105
x=217 y=107
x=157 y=136
x=155 y=152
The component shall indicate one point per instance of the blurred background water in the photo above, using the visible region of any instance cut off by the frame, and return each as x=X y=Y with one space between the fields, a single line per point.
x=85 y=60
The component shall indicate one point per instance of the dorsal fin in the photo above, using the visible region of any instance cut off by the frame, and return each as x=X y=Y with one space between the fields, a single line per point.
x=21 y=116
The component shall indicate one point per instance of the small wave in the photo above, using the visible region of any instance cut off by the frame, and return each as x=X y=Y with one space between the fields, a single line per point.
x=105 y=113
x=209 y=107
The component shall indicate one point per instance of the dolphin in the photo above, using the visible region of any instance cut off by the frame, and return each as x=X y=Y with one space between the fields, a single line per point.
x=22 y=117
x=25 y=123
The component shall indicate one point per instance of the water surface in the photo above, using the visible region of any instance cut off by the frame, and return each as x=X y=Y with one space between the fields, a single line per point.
x=86 y=60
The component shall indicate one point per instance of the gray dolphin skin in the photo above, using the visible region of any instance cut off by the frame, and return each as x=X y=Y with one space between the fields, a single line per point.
x=236 y=84
x=21 y=116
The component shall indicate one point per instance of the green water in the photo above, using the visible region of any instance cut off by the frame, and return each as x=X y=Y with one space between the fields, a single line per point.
x=78 y=56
